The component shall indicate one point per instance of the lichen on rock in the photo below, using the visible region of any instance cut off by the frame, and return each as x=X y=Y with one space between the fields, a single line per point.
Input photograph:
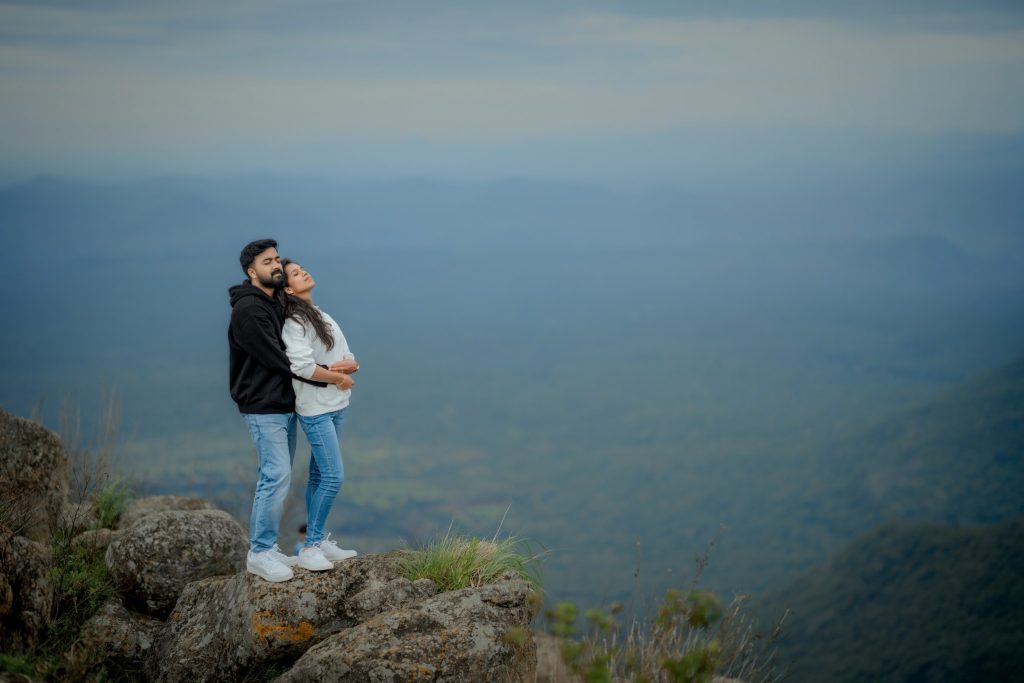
x=149 y=505
x=153 y=560
x=26 y=592
x=33 y=477
x=455 y=636
x=225 y=627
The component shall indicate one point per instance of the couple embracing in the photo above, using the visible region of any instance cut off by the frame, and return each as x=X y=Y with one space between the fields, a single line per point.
x=289 y=362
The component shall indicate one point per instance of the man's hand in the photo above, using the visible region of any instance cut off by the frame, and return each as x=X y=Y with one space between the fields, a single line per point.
x=345 y=383
x=349 y=367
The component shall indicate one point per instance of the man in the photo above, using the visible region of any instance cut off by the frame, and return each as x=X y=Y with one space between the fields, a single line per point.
x=261 y=385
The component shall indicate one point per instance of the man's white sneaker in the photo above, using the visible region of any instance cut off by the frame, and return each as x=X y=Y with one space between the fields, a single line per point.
x=266 y=566
x=332 y=552
x=313 y=559
x=286 y=560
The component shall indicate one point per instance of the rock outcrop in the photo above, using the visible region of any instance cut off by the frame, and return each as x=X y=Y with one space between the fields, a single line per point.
x=33 y=477
x=183 y=559
x=143 y=507
x=118 y=639
x=224 y=628
x=473 y=634
x=26 y=594
x=153 y=560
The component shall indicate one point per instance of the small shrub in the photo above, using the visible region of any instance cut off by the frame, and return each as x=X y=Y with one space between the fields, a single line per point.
x=17 y=663
x=81 y=585
x=690 y=640
x=110 y=502
x=455 y=562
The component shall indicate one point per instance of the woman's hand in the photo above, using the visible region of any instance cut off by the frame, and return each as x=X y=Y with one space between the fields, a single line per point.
x=345 y=382
x=348 y=366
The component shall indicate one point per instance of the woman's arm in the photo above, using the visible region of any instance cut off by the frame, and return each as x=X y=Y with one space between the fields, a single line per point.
x=349 y=366
x=300 y=356
x=339 y=379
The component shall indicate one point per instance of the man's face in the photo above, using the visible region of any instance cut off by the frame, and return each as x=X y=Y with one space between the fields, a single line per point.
x=267 y=267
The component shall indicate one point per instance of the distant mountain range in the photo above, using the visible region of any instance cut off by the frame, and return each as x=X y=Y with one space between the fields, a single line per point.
x=956 y=459
x=910 y=602
x=938 y=594
x=925 y=216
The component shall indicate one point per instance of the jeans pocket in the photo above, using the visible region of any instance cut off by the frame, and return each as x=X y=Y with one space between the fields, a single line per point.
x=254 y=429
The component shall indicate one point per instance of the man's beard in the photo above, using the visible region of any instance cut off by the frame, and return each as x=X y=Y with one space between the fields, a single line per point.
x=274 y=280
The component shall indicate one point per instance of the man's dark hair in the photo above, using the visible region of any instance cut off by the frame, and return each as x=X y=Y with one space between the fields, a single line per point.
x=252 y=250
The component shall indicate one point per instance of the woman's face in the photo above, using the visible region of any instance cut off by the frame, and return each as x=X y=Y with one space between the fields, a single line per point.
x=299 y=281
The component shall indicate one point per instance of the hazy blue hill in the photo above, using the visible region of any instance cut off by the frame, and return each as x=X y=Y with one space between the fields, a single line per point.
x=923 y=259
x=910 y=602
x=956 y=459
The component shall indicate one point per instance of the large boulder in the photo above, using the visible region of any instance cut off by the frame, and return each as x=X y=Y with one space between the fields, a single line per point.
x=26 y=594
x=143 y=507
x=473 y=634
x=118 y=639
x=223 y=629
x=152 y=561
x=33 y=477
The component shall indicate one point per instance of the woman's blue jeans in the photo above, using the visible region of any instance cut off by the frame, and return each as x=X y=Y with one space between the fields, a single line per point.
x=326 y=471
x=274 y=436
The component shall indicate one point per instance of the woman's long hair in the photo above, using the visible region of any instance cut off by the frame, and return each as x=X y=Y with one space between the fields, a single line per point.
x=305 y=313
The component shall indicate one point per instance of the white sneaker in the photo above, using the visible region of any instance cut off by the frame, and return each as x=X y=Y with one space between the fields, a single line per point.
x=332 y=552
x=313 y=559
x=286 y=560
x=266 y=566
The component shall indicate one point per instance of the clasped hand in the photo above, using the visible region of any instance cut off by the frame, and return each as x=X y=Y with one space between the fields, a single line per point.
x=346 y=367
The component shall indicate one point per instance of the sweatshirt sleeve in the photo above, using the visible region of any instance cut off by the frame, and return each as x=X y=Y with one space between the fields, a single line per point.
x=340 y=342
x=346 y=354
x=257 y=337
x=300 y=351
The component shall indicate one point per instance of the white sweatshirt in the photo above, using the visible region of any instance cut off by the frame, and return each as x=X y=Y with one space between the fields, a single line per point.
x=305 y=352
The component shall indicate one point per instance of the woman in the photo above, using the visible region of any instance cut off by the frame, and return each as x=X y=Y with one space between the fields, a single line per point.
x=315 y=341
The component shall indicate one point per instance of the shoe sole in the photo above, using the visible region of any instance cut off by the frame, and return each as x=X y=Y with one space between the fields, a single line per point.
x=267 y=577
x=346 y=557
x=317 y=569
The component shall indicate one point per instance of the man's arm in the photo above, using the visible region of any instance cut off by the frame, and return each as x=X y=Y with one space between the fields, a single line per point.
x=339 y=379
x=258 y=338
x=300 y=357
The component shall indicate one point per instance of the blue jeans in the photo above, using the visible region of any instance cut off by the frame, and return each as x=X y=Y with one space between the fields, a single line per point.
x=274 y=436
x=326 y=471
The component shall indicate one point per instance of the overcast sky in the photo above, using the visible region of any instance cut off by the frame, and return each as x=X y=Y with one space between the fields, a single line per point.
x=464 y=88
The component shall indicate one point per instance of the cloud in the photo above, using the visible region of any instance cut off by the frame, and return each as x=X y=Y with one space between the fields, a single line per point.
x=134 y=79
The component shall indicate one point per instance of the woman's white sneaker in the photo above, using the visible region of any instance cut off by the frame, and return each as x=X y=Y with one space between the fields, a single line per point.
x=286 y=560
x=312 y=558
x=267 y=567
x=332 y=552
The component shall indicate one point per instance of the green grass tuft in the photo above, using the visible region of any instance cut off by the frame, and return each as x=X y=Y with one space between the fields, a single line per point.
x=455 y=562
x=17 y=663
x=111 y=501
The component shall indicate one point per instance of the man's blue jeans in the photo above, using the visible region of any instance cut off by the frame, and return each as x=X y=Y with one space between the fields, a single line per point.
x=326 y=471
x=274 y=436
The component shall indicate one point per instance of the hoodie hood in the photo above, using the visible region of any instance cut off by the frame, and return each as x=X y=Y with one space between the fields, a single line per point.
x=239 y=292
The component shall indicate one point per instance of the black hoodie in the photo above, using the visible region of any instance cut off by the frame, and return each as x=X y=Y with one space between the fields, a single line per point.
x=259 y=371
